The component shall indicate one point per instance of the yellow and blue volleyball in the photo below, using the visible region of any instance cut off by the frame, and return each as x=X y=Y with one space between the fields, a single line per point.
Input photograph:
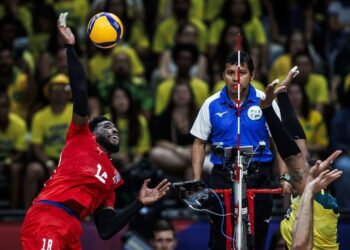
x=105 y=30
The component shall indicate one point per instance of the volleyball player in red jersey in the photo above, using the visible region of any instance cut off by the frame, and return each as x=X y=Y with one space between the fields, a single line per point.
x=85 y=179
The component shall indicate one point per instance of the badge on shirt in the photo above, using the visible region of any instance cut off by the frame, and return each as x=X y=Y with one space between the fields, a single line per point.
x=116 y=178
x=254 y=113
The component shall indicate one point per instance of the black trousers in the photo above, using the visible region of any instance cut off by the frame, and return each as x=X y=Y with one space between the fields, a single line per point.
x=220 y=179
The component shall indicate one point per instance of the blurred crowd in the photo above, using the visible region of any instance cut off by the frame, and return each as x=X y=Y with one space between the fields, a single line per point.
x=153 y=83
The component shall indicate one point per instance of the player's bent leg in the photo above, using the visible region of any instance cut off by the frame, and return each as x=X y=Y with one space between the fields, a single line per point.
x=47 y=227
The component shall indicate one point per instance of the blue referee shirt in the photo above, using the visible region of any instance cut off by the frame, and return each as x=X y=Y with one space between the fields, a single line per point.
x=217 y=123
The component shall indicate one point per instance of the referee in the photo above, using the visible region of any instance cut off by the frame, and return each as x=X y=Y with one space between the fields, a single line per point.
x=216 y=124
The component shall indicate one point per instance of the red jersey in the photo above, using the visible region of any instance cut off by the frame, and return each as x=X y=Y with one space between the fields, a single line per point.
x=84 y=174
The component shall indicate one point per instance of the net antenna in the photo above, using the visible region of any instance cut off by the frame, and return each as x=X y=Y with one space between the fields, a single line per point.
x=238 y=171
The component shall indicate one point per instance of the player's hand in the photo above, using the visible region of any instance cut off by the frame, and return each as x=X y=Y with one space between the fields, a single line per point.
x=323 y=180
x=65 y=31
x=291 y=74
x=266 y=101
x=148 y=196
x=286 y=186
x=320 y=166
x=319 y=176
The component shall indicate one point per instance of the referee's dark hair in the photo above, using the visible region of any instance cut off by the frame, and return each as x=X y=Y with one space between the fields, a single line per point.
x=232 y=59
x=95 y=121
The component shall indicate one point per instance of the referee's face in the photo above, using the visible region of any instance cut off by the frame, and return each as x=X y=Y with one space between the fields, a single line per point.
x=231 y=79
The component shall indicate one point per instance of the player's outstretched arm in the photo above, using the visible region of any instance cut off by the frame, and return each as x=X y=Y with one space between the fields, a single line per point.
x=109 y=222
x=319 y=178
x=285 y=144
x=76 y=73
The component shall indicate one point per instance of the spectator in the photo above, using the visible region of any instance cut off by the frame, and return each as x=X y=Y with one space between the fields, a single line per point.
x=239 y=12
x=186 y=34
x=185 y=56
x=14 y=82
x=338 y=23
x=315 y=85
x=296 y=43
x=171 y=133
x=311 y=120
x=122 y=76
x=48 y=135
x=166 y=30
x=13 y=143
x=135 y=141
x=340 y=139
x=164 y=236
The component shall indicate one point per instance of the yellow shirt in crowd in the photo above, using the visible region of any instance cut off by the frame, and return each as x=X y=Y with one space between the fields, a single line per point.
x=16 y=92
x=315 y=129
x=164 y=37
x=253 y=30
x=144 y=140
x=199 y=88
x=14 y=137
x=49 y=129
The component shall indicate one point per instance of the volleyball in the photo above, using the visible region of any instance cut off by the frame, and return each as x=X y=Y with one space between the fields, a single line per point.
x=105 y=30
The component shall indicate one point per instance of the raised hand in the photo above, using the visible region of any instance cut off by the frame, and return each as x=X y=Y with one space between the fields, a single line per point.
x=65 y=31
x=291 y=74
x=320 y=177
x=266 y=101
x=148 y=196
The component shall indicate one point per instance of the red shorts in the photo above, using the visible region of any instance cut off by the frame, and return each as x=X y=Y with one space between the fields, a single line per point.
x=47 y=227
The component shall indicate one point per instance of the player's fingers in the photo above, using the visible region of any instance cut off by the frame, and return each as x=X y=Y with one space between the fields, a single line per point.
x=280 y=89
x=161 y=184
x=324 y=173
x=333 y=177
x=164 y=188
x=331 y=158
x=145 y=182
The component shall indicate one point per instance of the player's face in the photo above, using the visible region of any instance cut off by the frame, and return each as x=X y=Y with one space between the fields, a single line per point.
x=164 y=240
x=231 y=78
x=107 y=136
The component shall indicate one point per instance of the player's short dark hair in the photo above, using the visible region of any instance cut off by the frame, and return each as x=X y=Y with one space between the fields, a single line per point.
x=163 y=225
x=232 y=59
x=95 y=121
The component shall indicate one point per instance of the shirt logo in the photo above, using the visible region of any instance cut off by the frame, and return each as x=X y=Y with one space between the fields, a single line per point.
x=99 y=150
x=254 y=113
x=220 y=114
x=116 y=178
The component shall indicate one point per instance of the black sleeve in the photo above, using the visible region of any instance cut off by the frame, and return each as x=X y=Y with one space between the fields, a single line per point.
x=78 y=82
x=109 y=222
x=285 y=144
x=289 y=117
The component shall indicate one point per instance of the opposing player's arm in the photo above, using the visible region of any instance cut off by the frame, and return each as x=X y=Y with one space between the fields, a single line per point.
x=319 y=178
x=76 y=73
x=109 y=222
x=283 y=170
